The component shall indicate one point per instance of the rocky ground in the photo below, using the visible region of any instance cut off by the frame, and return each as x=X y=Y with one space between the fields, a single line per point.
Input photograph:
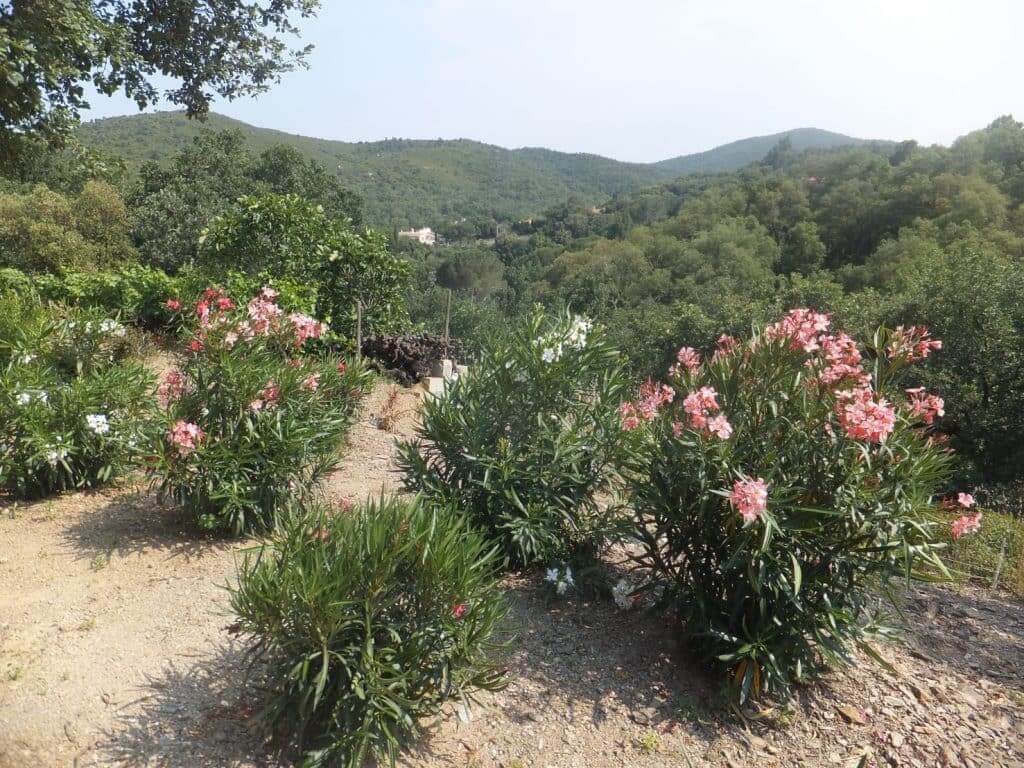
x=114 y=652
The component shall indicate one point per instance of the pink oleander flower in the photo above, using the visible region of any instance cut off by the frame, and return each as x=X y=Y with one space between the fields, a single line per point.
x=268 y=293
x=802 y=327
x=203 y=312
x=965 y=500
x=720 y=427
x=230 y=339
x=172 y=387
x=688 y=358
x=342 y=367
x=305 y=327
x=173 y=304
x=312 y=382
x=724 y=346
x=267 y=398
x=965 y=524
x=925 y=406
x=699 y=405
x=294 y=363
x=185 y=436
x=863 y=417
x=196 y=345
x=224 y=304
x=459 y=611
x=630 y=420
x=750 y=498
x=652 y=397
x=263 y=313
x=912 y=344
x=677 y=429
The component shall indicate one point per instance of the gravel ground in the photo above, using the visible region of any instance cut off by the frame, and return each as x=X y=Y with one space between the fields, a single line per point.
x=114 y=652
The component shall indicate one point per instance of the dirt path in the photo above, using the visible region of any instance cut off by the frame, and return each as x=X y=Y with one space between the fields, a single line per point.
x=113 y=652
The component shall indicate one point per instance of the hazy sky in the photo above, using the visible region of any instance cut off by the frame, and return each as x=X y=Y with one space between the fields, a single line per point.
x=647 y=79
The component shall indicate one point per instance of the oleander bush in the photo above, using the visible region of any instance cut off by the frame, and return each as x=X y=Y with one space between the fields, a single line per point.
x=780 y=485
x=253 y=424
x=75 y=412
x=524 y=444
x=367 y=621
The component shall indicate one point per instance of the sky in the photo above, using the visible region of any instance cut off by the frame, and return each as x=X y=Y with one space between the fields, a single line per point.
x=644 y=80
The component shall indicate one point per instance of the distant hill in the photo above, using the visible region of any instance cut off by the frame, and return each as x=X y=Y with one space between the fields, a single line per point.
x=422 y=182
x=736 y=154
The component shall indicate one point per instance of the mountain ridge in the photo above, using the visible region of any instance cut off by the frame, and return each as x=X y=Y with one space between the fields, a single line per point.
x=407 y=182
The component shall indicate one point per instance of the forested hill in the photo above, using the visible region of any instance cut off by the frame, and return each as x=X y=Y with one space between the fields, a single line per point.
x=737 y=154
x=412 y=182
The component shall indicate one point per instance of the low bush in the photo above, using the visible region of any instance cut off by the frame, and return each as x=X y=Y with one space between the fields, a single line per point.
x=75 y=413
x=780 y=483
x=524 y=443
x=252 y=425
x=997 y=546
x=368 y=621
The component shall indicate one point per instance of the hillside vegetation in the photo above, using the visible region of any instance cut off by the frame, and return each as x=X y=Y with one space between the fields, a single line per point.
x=407 y=182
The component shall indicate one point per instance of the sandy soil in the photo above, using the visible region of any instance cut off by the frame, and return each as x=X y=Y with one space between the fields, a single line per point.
x=114 y=652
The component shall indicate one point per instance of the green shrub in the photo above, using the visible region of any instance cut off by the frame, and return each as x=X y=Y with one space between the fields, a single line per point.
x=286 y=237
x=525 y=442
x=252 y=426
x=62 y=435
x=46 y=231
x=368 y=621
x=779 y=484
x=74 y=412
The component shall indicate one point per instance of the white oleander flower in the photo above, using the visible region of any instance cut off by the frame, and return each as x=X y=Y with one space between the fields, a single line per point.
x=98 y=423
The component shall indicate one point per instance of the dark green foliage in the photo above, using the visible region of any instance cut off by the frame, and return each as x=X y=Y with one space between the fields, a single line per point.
x=46 y=231
x=50 y=49
x=284 y=236
x=366 y=621
x=777 y=598
x=172 y=204
x=523 y=444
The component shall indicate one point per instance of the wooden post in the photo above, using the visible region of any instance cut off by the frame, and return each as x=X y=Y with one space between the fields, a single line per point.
x=359 y=328
x=447 y=319
x=999 y=565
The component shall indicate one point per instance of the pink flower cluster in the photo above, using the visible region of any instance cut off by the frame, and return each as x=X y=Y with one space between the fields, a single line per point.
x=652 y=397
x=925 y=406
x=750 y=498
x=863 y=417
x=171 y=388
x=305 y=327
x=843 y=362
x=912 y=344
x=801 y=327
x=267 y=398
x=263 y=314
x=965 y=523
x=185 y=436
x=686 y=358
x=312 y=382
x=700 y=406
x=724 y=347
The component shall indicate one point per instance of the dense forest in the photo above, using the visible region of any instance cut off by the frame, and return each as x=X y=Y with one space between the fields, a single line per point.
x=899 y=235
x=875 y=233
x=459 y=186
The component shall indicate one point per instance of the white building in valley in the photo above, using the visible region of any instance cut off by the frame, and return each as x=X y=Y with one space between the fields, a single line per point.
x=425 y=235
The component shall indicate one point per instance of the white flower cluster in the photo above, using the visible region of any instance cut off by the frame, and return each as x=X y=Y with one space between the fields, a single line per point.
x=560 y=578
x=108 y=327
x=98 y=423
x=27 y=397
x=55 y=453
x=575 y=338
